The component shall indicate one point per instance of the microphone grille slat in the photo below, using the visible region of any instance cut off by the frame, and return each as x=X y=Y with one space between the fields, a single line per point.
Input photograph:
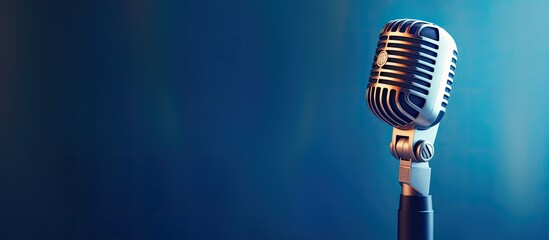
x=450 y=80
x=385 y=107
x=396 y=110
x=410 y=55
x=410 y=71
x=412 y=26
x=411 y=111
x=412 y=48
x=405 y=62
x=371 y=102
x=401 y=84
x=414 y=40
x=384 y=103
x=376 y=104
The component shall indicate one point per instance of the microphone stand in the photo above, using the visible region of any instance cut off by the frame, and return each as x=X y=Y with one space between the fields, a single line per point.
x=415 y=215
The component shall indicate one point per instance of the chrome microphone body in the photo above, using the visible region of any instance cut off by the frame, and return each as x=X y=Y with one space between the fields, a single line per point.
x=409 y=88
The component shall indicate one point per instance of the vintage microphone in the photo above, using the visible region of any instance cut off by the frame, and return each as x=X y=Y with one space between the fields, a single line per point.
x=409 y=88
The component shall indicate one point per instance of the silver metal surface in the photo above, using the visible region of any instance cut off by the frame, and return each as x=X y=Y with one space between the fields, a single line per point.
x=410 y=81
x=409 y=88
x=404 y=141
x=424 y=150
x=416 y=175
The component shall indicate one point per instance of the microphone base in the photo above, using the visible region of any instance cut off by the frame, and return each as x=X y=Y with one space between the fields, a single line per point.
x=415 y=218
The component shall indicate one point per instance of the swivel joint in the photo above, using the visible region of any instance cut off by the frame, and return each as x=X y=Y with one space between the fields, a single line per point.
x=414 y=148
x=416 y=145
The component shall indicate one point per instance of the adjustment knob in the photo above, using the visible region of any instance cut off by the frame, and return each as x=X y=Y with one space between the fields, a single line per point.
x=424 y=151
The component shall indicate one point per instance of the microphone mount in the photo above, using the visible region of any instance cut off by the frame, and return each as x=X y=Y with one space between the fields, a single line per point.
x=414 y=148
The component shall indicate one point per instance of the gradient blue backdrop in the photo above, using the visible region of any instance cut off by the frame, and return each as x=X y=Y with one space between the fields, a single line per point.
x=247 y=120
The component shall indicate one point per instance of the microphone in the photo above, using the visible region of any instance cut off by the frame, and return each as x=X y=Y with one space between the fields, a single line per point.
x=409 y=88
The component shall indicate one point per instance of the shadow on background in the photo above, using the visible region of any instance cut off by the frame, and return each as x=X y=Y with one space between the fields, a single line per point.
x=247 y=120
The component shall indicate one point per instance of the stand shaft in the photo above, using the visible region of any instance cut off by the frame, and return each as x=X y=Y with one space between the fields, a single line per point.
x=415 y=218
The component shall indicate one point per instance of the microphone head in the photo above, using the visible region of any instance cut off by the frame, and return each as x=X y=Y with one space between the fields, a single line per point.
x=412 y=74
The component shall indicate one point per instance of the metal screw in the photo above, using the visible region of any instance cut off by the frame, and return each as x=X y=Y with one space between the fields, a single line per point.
x=424 y=151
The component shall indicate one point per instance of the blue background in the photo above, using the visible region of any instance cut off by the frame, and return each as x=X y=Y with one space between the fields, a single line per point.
x=247 y=120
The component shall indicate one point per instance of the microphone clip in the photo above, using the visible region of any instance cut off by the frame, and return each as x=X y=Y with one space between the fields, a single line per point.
x=414 y=148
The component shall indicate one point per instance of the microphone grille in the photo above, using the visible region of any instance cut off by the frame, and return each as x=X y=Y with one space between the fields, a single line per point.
x=404 y=77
